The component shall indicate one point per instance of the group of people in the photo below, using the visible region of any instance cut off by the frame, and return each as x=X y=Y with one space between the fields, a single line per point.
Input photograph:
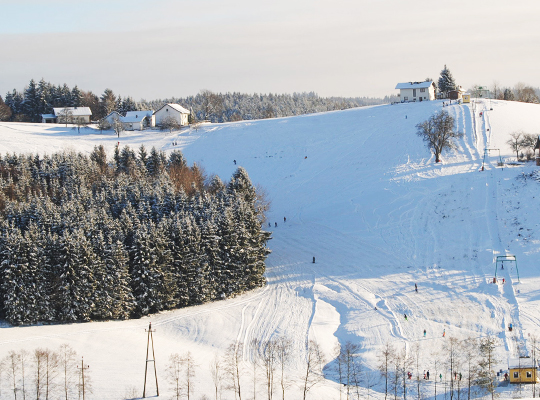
x=275 y=223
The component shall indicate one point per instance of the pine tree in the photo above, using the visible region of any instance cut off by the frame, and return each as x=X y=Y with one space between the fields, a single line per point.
x=107 y=103
x=31 y=102
x=152 y=283
x=76 y=97
x=75 y=279
x=487 y=377
x=446 y=81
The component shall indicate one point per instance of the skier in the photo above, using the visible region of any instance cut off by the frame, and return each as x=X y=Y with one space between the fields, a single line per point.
x=313 y=260
x=424 y=374
x=424 y=333
x=444 y=333
x=440 y=377
x=405 y=315
x=269 y=225
x=284 y=219
x=234 y=161
x=275 y=224
x=460 y=376
x=416 y=288
x=427 y=374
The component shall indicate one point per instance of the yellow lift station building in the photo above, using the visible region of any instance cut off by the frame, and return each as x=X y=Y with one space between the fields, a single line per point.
x=522 y=370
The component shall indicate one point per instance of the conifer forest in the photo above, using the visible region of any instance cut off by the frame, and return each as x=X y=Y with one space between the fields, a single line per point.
x=86 y=238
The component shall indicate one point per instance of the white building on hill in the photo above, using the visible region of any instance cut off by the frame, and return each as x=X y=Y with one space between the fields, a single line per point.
x=70 y=115
x=416 y=91
x=134 y=120
x=179 y=113
x=138 y=120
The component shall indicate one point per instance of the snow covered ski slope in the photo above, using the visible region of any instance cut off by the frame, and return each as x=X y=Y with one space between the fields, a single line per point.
x=361 y=193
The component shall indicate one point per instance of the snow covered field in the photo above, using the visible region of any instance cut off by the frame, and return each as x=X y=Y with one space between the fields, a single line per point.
x=362 y=194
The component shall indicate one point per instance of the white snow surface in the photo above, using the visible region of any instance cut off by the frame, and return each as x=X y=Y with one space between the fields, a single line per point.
x=363 y=195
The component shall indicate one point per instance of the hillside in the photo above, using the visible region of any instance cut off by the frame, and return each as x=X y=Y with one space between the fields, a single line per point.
x=361 y=194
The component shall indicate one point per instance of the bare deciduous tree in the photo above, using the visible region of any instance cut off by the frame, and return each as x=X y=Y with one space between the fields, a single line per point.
x=12 y=362
x=470 y=354
x=314 y=364
x=529 y=143
x=385 y=362
x=451 y=349
x=269 y=358
x=233 y=368
x=39 y=357
x=255 y=359
x=438 y=133
x=516 y=142
x=283 y=354
x=65 y=115
x=169 y=123
x=68 y=367
x=189 y=374
x=216 y=370
x=117 y=126
x=51 y=363
x=23 y=358
x=174 y=374
x=103 y=125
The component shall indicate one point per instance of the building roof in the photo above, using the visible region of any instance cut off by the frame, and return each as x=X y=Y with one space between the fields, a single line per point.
x=414 y=85
x=522 y=362
x=139 y=115
x=75 y=111
x=176 y=107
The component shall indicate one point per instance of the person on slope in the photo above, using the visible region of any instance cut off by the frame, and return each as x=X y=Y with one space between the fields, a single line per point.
x=415 y=288
x=405 y=315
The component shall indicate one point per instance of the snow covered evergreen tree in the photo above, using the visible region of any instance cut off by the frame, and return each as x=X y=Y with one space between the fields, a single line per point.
x=446 y=81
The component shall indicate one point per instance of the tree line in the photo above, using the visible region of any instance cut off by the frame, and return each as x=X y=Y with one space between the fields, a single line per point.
x=82 y=238
x=44 y=374
x=41 y=97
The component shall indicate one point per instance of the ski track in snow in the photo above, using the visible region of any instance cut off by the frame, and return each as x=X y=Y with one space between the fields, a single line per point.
x=378 y=219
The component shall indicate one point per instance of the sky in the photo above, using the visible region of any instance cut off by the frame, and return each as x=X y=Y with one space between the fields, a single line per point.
x=176 y=48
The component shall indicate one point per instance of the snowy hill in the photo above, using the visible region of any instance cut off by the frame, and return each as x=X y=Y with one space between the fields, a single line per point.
x=362 y=194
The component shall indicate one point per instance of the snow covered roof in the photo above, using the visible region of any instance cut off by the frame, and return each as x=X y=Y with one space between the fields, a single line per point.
x=414 y=85
x=75 y=111
x=522 y=362
x=139 y=114
x=176 y=107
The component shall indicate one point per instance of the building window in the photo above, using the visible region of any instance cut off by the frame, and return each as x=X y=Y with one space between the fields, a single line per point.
x=406 y=98
x=529 y=374
x=422 y=90
x=516 y=375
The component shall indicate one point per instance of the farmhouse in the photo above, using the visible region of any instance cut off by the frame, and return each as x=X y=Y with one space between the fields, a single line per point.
x=70 y=115
x=522 y=370
x=176 y=111
x=134 y=120
x=138 y=120
x=416 y=91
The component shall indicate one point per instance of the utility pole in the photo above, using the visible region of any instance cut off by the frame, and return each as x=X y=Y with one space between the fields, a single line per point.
x=82 y=388
x=150 y=340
